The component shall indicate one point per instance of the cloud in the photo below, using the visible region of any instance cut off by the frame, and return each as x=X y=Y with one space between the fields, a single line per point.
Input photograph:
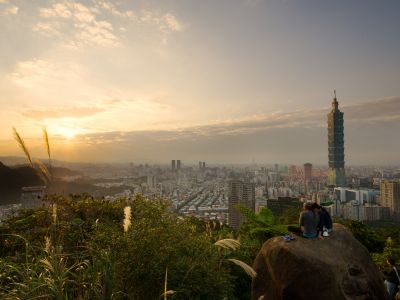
x=30 y=72
x=372 y=112
x=164 y=21
x=111 y=8
x=284 y=137
x=79 y=23
x=172 y=22
x=292 y=137
x=42 y=74
x=84 y=25
x=47 y=29
x=56 y=10
x=383 y=110
x=62 y=112
x=77 y=110
x=11 y=10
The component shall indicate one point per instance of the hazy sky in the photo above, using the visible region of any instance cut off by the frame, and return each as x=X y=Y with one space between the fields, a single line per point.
x=215 y=80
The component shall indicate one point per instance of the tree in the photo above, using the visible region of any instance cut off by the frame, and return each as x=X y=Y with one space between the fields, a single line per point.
x=368 y=237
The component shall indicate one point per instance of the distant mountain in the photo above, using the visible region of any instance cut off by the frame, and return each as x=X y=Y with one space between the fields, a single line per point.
x=12 y=160
x=13 y=179
x=20 y=160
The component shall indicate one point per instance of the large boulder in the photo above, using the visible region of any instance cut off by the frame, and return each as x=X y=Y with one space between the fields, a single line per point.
x=335 y=268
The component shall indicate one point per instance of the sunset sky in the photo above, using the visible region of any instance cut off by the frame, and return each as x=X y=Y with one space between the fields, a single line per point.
x=215 y=80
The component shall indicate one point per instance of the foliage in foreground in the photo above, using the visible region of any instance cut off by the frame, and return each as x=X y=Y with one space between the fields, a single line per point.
x=82 y=248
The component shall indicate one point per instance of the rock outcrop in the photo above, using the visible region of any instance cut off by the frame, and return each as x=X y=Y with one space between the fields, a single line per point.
x=335 y=268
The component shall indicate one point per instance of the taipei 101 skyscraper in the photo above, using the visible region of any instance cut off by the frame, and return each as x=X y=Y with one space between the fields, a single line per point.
x=336 y=173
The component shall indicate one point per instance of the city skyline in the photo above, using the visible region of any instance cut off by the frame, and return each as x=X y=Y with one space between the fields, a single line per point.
x=185 y=79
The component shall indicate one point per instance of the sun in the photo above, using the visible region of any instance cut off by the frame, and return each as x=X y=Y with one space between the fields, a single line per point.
x=68 y=133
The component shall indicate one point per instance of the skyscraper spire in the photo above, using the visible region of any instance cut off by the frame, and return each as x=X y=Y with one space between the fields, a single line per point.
x=335 y=103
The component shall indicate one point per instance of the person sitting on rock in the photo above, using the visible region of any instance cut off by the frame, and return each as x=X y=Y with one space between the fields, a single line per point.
x=392 y=278
x=308 y=222
x=325 y=220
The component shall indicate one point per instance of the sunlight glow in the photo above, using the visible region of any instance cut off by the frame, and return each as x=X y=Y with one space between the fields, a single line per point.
x=68 y=133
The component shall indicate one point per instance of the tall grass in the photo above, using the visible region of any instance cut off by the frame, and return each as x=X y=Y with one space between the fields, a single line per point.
x=38 y=166
x=228 y=244
x=22 y=145
x=127 y=218
x=47 y=144
x=232 y=244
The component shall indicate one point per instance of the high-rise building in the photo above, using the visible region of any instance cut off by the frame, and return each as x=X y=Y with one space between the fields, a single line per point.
x=200 y=165
x=293 y=172
x=204 y=164
x=390 y=197
x=242 y=193
x=173 y=164
x=151 y=181
x=307 y=171
x=178 y=164
x=336 y=173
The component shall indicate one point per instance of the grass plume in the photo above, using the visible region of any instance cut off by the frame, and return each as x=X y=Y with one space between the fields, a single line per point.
x=228 y=244
x=22 y=145
x=127 y=218
x=47 y=244
x=44 y=172
x=46 y=142
x=249 y=270
x=54 y=214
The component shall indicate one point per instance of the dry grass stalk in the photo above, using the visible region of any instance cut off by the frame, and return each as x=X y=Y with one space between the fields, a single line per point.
x=127 y=218
x=42 y=172
x=22 y=145
x=165 y=284
x=249 y=270
x=47 y=244
x=45 y=174
x=54 y=215
x=46 y=141
x=170 y=292
x=228 y=244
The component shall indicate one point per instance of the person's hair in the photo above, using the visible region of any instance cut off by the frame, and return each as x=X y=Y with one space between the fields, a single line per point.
x=391 y=261
x=308 y=206
x=315 y=205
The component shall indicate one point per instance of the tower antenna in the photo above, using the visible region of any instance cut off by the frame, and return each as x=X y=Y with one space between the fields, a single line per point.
x=334 y=92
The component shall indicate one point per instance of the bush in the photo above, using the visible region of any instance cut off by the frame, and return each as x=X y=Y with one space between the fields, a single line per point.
x=76 y=248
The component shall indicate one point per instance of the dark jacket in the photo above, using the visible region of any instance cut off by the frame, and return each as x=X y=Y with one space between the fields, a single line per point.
x=309 y=221
x=325 y=220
